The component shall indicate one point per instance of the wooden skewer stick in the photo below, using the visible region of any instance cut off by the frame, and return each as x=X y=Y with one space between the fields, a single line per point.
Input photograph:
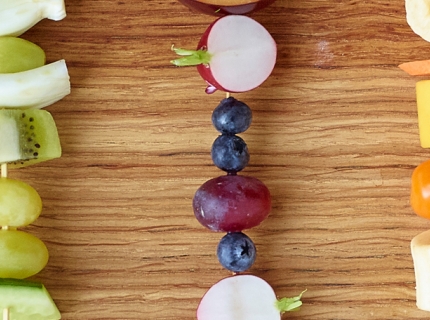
x=6 y=314
x=227 y=94
x=4 y=170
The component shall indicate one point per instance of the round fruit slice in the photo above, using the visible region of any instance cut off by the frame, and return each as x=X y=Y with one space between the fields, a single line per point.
x=235 y=54
x=418 y=17
x=22 y=255
x=20 y=204
x=27 y=137
x=27 y=300
x=244 y=297
x=18 y=55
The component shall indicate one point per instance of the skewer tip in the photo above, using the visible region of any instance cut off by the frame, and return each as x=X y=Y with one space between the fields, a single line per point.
x=3 y=169
x=6 y=314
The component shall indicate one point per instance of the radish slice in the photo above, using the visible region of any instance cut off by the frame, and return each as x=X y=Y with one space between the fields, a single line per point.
x=244 y=297
x=235 y=54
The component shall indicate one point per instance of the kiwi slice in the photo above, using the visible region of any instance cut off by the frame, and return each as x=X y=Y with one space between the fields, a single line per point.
x=27 y=137
x=27 y=300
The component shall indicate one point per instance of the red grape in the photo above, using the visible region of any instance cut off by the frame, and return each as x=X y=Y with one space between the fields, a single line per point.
x=232 y=203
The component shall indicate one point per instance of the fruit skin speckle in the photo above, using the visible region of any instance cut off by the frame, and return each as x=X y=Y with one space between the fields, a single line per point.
x=232 y=203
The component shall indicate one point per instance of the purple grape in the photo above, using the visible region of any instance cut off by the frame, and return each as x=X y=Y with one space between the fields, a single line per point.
x=230 y=153
x=231 y=116
x=236 y=252
x=231 y=203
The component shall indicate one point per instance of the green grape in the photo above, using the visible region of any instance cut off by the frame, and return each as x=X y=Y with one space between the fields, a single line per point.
x=20 y=204
x=18 y=55
x=22 y=255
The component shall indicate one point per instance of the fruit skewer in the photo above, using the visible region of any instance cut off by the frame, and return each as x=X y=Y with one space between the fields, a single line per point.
x=28 y=136
x=235 y=54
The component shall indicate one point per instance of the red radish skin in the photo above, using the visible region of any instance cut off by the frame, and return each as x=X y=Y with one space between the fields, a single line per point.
x=243 y=54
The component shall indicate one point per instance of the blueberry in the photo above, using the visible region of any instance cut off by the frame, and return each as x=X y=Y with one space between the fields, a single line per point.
x=230 y=153
x=236 y=252
x=231 y=116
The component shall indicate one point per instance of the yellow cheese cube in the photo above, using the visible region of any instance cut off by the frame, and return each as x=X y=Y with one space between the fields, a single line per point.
x=423 y=103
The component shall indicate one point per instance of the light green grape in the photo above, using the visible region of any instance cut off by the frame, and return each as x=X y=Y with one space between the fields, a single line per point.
x=20 y=204
x=17 y=54
x=22 y=255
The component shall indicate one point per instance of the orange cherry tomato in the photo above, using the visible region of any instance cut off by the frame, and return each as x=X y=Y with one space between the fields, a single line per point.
x=420 y=190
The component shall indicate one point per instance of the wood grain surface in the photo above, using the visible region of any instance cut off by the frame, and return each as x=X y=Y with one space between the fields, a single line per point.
x=334 y=137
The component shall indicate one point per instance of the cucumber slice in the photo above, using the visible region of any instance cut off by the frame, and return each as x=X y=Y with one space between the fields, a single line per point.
x=27 y=137
x=27 y=300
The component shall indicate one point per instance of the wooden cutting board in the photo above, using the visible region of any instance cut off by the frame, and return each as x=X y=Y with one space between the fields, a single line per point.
x=334 y=137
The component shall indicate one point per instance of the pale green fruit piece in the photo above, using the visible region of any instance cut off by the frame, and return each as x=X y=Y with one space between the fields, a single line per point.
x=17 y=16
x=18 y=55
x=36 y=88
x=27 y=137
x=22 y=255
x=27 y=300
x=20 y=204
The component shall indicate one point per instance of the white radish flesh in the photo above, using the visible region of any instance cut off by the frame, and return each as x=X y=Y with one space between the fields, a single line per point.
x=17 y=16
x=420 y=247
x=243 y=53
x=36 y=88
x=243 y=297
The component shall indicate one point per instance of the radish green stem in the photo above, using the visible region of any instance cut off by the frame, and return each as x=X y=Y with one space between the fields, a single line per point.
x=289 y=304
x=190 y=57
